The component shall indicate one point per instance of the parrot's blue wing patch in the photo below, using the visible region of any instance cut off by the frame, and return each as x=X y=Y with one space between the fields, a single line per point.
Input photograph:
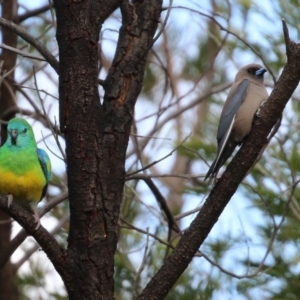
x=46 y=167
x=45 y=163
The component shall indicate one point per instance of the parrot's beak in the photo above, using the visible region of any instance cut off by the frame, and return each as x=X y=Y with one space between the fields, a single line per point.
x=14 y=135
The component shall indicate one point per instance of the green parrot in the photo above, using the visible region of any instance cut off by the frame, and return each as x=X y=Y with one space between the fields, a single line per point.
x=25 y=170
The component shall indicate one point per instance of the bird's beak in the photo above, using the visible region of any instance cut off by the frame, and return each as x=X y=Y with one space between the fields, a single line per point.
x=260 y=72
x=14 y=136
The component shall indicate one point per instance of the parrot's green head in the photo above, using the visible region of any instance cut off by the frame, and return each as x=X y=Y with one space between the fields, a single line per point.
x=19 y=133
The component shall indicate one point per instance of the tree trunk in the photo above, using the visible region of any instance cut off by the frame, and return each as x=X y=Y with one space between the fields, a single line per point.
x=97 y=134
x=8 y=289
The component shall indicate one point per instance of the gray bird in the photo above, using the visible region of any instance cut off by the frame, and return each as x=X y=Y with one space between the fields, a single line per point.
x=245 y=96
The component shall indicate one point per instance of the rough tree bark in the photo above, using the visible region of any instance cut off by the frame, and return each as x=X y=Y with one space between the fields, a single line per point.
x=8 y=291
x=97 y=135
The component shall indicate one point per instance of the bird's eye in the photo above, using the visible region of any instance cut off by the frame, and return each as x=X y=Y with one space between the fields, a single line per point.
x=251 y=70
x=25 y=130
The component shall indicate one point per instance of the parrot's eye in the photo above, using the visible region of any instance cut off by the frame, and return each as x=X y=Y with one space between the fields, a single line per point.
x=25 y=130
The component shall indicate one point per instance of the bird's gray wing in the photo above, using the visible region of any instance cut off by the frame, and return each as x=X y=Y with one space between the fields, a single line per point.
x=229 y=112
x=225 y=148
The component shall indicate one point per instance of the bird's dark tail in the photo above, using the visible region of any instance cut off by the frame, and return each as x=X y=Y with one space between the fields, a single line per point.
x=221 y=159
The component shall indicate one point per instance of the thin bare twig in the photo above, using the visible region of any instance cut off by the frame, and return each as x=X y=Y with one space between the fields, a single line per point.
x=234 y=34
x=20 y=52
x=157 y=161
x=32 y=13
x=142 y=266
x=130 y=226
x=32 y=41
x=49 y=123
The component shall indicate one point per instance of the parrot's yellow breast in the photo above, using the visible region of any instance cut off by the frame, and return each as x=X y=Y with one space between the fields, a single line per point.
x=26 y=187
